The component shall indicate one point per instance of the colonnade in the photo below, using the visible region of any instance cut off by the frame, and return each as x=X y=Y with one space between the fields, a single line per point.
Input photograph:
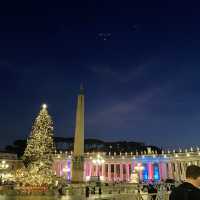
x=109 y=171
x=120 y=170
x=177 y=168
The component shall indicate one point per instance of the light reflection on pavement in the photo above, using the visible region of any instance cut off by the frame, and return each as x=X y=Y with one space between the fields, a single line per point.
x=92 y=197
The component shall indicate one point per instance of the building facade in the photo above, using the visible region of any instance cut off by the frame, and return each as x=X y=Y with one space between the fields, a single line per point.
x=121 y=168
x=9 y=163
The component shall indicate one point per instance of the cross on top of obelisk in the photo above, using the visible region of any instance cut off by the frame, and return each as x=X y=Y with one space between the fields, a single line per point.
x=81 y=89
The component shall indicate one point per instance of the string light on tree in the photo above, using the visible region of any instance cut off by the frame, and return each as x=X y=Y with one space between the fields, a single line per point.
x=38 y=155
x=44 y=106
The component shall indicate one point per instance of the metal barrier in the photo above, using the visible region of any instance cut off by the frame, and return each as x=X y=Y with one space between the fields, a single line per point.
x=153 y=196
x=118 y=193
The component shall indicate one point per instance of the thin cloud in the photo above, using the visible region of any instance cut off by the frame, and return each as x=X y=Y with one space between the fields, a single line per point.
x=125 y=75
x=118 y=113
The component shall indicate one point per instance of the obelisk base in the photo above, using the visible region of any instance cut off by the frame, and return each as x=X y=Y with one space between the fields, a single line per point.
x=78 y=169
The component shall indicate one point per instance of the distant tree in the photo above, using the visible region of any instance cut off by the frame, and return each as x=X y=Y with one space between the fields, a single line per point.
x=17 y=147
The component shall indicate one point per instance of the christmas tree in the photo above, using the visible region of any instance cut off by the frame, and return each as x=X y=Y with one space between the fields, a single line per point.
x=38 y=154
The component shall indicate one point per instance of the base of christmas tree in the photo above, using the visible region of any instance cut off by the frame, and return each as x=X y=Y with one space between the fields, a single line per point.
x=29 y=192
x=32 y=190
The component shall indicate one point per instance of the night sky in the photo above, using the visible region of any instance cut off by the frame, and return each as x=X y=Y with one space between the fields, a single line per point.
x=139 y=62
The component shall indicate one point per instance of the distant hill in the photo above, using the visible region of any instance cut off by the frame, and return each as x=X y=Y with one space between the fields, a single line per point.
x=91 y=145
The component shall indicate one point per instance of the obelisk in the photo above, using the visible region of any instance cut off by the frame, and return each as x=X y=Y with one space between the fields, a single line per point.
x=78 y=155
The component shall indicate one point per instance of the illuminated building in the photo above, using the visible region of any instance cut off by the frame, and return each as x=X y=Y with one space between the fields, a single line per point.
x=9 y=163
x=120 y=167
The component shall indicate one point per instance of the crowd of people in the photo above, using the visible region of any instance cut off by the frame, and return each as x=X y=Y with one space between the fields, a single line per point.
x=186 y=190
x=143 y=190
x=189 y=189
x=154 y=190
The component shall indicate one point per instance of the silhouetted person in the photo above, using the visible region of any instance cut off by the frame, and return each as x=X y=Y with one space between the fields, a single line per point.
x=60 y=190
x=153 y=191
x=100 y=190
x=94 y=190
x=189 y=189
x=87 y=191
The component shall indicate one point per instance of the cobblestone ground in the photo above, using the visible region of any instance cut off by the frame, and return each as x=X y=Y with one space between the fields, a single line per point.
x=93 y=197
x=103 y=197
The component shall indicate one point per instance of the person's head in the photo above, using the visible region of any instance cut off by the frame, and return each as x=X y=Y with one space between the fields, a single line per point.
x=193 y=174
x=145 y=189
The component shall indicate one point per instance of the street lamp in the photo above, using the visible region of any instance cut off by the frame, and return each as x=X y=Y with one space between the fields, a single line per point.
x=139 y=168
x=66 y=171
x=110 y=148
x=4 y=167
x=98 y=162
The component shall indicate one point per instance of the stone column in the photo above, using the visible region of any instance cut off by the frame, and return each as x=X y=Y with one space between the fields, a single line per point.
x=178 y=172
x=103 y=171
x=93 y=170
x=85 y=168
x=150 y=171
x=182 y=171
x=109 y=172
x=160 y=165
x=127 y=172
x=61 y=168
x=97 y=170
x=115 y=170
x=121 y=172
x=173 y=171
x=90 y=174
x=170 y=170
x=164 y=171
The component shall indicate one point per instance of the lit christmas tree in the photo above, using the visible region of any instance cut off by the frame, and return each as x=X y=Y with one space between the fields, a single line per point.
x=38 y=154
